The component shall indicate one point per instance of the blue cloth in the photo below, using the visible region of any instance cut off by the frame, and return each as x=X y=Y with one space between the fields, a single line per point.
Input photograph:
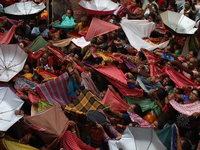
x=185 y=98
x=131 y=85
x=72 y=87
x=65 y=23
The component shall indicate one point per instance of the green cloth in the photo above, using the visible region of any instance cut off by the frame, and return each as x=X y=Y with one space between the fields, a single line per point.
x=165 y=136
x=145 y=104
x=38 y=43
x=42 y=105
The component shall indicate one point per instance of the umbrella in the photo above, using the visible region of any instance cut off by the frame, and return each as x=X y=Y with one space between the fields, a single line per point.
x=137 y=138
x=50 y=124
x=178 y=23
x=12 y=59
x=24 y=9
x=99 y=7
x=94 y=116
x=9 y=102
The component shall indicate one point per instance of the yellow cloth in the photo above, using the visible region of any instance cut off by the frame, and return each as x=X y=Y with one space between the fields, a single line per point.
x=28 y=76
x=10 y=145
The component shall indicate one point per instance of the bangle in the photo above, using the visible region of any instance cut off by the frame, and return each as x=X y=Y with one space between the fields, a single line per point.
x=138 y=70
x=74 y=131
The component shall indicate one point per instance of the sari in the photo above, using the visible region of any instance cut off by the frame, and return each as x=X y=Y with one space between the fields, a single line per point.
x=65 y=23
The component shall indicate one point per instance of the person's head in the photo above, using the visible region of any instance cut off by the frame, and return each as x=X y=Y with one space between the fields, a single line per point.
x=185 y=144
x=154 y=9
x=69 y=13
x=114 y=18
x=135 y=108
x=150 y=1
x=44 y=58
x=140 y=56
x=173 y=6
x=135 y=3
x=56 y=37
x=167 y=81
x=84 y=21
x=42 y=25
x=167 y=35
x=27 y=68
x=151 y=17
x=37 y=78
x=197 y=81
x=192 y=63
x=194 y=95
x=102 y=94
x=168 y=64
x=32 y=22
x=188 y=4
x=112 y=34
x=129 y=75
x=158 y=94
x=19 y=31
x=112 y=48
x=101 y=39
x=191 y=53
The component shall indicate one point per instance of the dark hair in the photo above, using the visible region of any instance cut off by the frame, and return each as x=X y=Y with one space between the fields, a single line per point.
x=190 y=1
x=168 y=33
x=153 y=16
x=105 y=37
x=186 y=145
x=195 y=53
x=29 y=65
x=141 y=55
x=134 y=124
x=174 y=5
x=39 y=77
x=42 y=22
x=137 y=109
x=156 y=7
x=19 y=28
x=198 y=91
x=36 y=141
x=113 y=48
x=161 y=94
x=71 y=11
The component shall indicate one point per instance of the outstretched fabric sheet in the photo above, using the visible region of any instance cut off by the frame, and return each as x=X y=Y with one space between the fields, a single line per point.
x=11 y=145
x=117 y=78
x=79 y=108
x=186 y=109
x=38 y=43
x=151 y=58
x=179 y=79
x=136 y=29
x=5 y=38
x=155 y=70
x=55 y=91
x=99 y=27
x=115 y=101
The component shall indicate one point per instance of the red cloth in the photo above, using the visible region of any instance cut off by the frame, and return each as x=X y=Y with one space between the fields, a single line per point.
x=72 y=142
x=154 y=70
x=151 y=58
x=99 y=27
x=5 y=38
x=136 y=118
x=117 y=78
x=179 y=79
x=115 y=101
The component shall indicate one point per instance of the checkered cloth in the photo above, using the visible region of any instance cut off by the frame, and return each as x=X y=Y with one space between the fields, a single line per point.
x=79 y=108
x=55 y=90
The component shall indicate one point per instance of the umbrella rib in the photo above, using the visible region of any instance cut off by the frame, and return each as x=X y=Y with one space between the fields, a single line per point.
x=12 y=58
x=151 y=139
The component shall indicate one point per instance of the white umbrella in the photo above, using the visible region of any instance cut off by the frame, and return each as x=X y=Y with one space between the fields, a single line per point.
x=98 y=7
x=178 y=23
x=12 y=60
x=24 y=8
x=137 y=138
x=9 y=102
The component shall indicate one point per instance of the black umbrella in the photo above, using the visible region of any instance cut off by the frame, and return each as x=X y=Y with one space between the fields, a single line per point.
x=95 y=116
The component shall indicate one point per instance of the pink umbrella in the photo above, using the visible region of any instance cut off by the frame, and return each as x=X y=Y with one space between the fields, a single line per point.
x=98 y=7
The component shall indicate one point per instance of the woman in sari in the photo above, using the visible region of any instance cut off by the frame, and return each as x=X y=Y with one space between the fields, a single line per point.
x=133 y=11
x=67 y=21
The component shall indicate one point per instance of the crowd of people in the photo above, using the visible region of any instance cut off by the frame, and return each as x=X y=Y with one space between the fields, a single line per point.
x=155 y=88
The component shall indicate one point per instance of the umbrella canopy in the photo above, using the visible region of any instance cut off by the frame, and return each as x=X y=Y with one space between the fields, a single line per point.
x=178 y=23
x=136 y=138
x=98 y=7
x=9 y=102
x=24 y=9
x=12 y=60
x=50 y=123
